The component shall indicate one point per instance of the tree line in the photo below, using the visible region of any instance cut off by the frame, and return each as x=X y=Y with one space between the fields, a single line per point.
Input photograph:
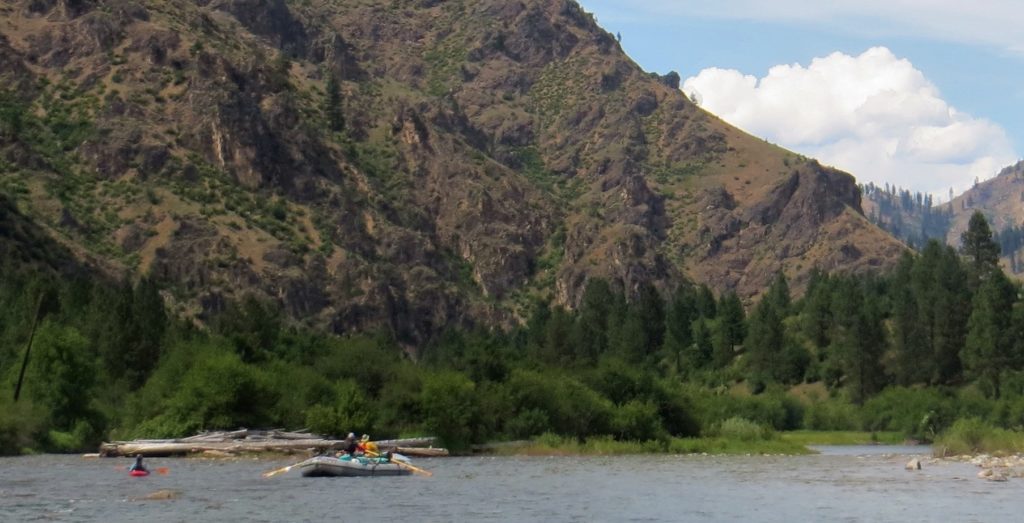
x=936 y=339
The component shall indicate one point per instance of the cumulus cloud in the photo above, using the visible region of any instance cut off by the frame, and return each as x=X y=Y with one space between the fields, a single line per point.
x=874 y=115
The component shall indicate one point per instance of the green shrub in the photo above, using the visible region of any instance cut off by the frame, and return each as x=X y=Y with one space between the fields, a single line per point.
x=449 y=409
x=973 y=435
x=917 y=413
x=832 y=415
x=638 y=421
x=20 y=427
x=743 y=430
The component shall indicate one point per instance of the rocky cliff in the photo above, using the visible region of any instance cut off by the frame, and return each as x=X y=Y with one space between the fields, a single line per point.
x=410 y=163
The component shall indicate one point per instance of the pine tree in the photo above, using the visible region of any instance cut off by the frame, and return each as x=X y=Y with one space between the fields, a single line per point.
x=816 y=316
x=678 y=325
x=951 y=305
x=699 y=353
x=765 y=342
x=706 y=305
x=730 y=329
x=332 y=104
x=989 y=346
x=858 y=340
x=981 y=251
x=591 y=331
x=913 y=357
x=651 y=310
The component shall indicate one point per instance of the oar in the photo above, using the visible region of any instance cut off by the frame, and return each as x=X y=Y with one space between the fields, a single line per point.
x=275 y=472
x=404 y=464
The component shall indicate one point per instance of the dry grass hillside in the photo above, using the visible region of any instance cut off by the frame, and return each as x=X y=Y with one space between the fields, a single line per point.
x=409 y=163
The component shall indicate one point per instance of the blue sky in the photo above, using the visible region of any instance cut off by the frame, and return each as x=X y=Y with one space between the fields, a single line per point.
x=923 y=94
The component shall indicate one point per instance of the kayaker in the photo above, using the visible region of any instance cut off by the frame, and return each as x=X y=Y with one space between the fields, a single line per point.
x=138 y=464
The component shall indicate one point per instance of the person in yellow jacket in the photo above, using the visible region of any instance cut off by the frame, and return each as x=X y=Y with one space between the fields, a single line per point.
x=367 y=446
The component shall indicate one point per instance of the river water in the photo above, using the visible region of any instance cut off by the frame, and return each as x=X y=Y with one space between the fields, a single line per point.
x=840 y=484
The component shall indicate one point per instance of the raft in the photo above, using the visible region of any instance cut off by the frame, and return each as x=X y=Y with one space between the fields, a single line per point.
x=324 y=466
x=138 y=473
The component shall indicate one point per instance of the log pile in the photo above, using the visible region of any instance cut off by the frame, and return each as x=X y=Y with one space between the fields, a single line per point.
x=246 y=441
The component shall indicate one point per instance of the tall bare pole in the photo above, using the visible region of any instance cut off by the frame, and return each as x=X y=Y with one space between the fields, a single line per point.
x=28 y=348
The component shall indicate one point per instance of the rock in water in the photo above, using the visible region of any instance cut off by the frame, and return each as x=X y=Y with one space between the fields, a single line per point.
x=914 y=464
x=160 y=495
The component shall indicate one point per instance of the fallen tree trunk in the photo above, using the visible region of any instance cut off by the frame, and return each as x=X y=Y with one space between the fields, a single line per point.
x=256 y=441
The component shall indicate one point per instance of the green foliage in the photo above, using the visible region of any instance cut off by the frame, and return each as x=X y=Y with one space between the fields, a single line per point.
x=832 y=415
x=449 y=409
x=611 y=376
x=742 y=429
x=219 y=391
x=21 y=427
x=638 y=421
x=347 y=411
x=917 y=413
x=989 y=347
x=981 y=251
x=973 y=435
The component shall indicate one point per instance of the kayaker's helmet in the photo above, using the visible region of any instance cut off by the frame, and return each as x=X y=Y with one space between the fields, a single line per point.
x=351 y=435
x=366 y=437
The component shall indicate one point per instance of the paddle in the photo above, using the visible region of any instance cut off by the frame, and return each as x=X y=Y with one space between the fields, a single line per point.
x=275 y=472
x=403 y=464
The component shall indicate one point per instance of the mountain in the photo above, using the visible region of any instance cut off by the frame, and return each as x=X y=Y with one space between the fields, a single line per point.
x=914 y=218
x=1001 y=200
x=410 y=163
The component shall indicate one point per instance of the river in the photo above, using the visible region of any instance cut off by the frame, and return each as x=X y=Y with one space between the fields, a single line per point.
x=840 y=484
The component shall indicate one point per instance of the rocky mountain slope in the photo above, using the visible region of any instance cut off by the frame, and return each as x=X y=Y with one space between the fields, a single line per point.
x=914 y=219
x=411 y=163
x=1001 y=199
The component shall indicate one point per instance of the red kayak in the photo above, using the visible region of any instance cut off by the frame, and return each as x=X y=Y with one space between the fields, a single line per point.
x=138 y=473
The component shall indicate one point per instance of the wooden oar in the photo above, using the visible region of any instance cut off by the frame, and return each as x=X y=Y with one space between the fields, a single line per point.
x=275 y=472
x=404 y=464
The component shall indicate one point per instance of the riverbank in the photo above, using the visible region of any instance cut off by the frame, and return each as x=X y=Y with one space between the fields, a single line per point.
x=784 y=443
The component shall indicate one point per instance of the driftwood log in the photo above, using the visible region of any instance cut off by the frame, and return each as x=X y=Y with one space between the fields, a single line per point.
x=256 y=441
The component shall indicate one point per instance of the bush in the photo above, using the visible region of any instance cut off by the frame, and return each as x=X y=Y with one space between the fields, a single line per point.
x=218 y=392
x=743 y=430
x=347 y=411
x=20 y=427
x=832 y=415
x=917 y=413
x=638 y=421
x=449 y=409
x=774 y=409
x=973 y=435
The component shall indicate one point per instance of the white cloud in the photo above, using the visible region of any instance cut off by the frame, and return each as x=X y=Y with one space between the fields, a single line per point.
x=873 y=115
x=991 y=22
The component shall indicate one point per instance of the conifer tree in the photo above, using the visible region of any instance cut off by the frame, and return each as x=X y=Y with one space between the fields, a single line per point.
x=591 y=333
x=651 y=311
x=678 y=325
x=771 y=357
x=332 y=104
x=913 y=358
x=989 y=347
x=981 y=251
x=730 y=329
x=706 y=305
